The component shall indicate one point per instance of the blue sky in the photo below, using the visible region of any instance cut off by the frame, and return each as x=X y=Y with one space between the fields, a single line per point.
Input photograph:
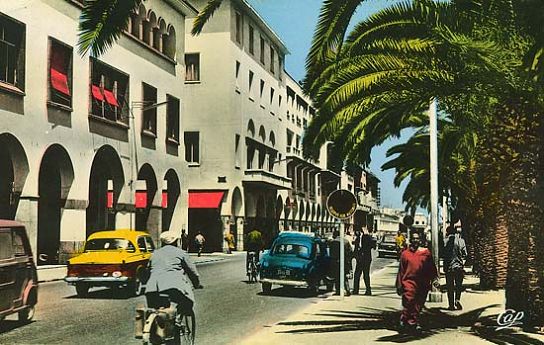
x=294 y=21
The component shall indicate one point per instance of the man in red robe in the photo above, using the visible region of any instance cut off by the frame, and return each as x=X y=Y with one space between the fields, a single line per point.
x=416 y=273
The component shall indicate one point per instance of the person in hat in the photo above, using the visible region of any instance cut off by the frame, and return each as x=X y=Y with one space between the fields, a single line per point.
x=172 y=273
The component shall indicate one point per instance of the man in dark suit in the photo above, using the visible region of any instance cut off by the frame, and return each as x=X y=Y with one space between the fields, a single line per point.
x=364 y=243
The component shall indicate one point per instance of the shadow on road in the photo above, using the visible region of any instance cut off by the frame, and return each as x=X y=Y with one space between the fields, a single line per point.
x=293 y=292
x=105 y=293
x=434 y=321
x=10 y=325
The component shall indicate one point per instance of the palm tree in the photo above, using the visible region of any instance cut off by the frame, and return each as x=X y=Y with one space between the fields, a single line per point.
x=376 y=81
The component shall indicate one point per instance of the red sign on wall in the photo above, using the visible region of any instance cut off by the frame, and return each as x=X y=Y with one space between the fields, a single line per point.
x=109 y=199
x=164 y=203
x=141 y=199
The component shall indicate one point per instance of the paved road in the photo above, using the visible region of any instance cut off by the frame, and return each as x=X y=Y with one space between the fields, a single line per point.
x=227 y=310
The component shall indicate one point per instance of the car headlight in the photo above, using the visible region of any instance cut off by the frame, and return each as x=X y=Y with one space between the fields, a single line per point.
x=116 y=274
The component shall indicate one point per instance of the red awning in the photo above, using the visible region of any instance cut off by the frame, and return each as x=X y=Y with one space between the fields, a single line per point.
x=110 y=98
x=97 y=94
x=205 y=199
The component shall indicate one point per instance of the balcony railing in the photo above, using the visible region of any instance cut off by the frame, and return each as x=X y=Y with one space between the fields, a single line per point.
x=259 y=176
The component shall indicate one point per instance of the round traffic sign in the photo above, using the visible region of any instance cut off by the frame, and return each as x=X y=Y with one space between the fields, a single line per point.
x=341 y=204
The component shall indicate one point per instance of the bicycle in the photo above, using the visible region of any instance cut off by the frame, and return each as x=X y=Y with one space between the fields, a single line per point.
x=253 y=267
x=163 y=325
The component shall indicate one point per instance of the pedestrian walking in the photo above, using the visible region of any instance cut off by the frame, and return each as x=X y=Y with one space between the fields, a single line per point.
x=416 y=272
x=455 y=252
x=229 y=238
x=401 y=243
x=335 y=262
x=364 y=244
x=184 y=240
x=199 y=242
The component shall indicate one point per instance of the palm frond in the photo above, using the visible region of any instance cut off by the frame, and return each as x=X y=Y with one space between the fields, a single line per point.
x=204 y=16
x=101 y=23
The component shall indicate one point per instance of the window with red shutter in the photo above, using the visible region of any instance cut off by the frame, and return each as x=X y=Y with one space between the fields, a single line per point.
x=109 y=92
x=60 y=73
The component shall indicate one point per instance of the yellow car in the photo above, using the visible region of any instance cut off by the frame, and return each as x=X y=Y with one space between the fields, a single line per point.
x=111 y=258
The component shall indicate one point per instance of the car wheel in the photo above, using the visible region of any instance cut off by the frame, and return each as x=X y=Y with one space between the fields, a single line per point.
x=82 y=289
x=27 y=314
x=267 y=288
x=314 y=289
x=329 y=285
x=135 y=287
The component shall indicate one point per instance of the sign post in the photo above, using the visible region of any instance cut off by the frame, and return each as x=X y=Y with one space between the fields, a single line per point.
x=341 y=204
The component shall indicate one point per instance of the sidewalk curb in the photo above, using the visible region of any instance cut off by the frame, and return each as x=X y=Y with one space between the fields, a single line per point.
x=62 y=268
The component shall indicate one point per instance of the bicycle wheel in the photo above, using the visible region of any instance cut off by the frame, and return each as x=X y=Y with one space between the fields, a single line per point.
x=254 y=272
x=188 y=330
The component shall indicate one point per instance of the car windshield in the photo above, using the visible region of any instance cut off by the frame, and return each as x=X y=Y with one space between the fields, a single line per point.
x=109 y=244
x=389 y=238
x=291 y=249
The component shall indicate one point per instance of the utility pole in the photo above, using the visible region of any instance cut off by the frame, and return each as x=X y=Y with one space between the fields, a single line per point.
x=435 y=295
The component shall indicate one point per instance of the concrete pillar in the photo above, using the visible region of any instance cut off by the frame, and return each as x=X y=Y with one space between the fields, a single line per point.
x=239 y=233
x=226 y=228
x=27 y=213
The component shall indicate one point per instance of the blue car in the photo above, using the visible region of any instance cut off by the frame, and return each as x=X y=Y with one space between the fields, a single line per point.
x=296 y=259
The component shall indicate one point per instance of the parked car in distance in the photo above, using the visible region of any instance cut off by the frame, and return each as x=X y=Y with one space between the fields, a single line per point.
x=296 y=259
x=387 y=246
x=112 y=258
x=18 y=278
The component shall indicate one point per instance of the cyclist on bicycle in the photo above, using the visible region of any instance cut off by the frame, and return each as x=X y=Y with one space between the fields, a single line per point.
x=172 y=273
x=254 y=243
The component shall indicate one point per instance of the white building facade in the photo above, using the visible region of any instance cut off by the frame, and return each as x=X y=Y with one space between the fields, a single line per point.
x=90 y=143
x=243 y=132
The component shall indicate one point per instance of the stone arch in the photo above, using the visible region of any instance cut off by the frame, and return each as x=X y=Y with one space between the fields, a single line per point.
x=312 y=217
x=262 y=134
x=251 y=129
x=173 y=191
x=272 y=139
x=308 y=210
x=237 y=204
x=158 y=34
x=169 y=48
x=13 y=173
x=106 y=167
x=144 y=221
x=301 y=210
x=147 y=26
x=55 y=179
x=294 y=211
x=287 y=208
x=136 y=21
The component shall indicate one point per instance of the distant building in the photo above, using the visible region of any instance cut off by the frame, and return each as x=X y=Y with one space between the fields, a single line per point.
x=389 y=220
x=244 y=123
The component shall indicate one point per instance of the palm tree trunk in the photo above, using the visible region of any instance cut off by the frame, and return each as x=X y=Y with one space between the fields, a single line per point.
x=524 y=215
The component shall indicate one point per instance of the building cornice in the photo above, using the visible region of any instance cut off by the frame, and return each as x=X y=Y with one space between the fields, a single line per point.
x=269 y=31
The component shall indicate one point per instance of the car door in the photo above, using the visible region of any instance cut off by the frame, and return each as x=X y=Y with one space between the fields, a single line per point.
x=23 y=264
x=7 y=270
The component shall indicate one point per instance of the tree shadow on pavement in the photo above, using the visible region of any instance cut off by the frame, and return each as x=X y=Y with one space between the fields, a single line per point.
x=486 y=328
x=433 y=320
